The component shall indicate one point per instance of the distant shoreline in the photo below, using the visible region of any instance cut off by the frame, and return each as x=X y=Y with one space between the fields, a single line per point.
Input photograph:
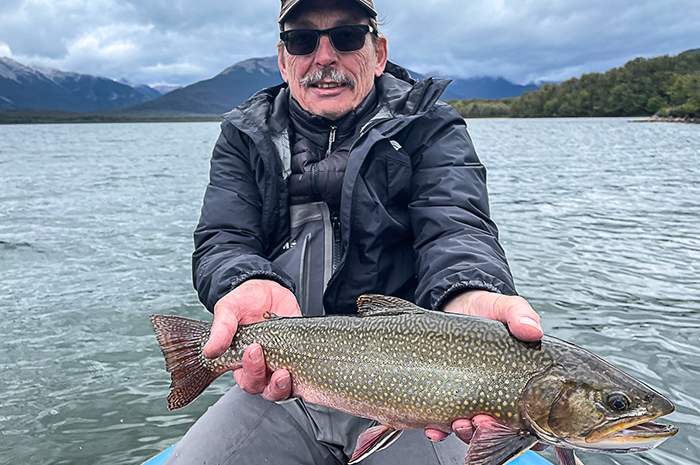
x=669 y=119
x=67 y=117
x=8 y=117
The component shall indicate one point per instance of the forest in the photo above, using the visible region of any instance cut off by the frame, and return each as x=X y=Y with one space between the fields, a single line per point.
x=666 y=86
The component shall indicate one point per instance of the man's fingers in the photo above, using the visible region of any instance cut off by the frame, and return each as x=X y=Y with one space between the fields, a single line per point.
x=480 y=419
x=279 y=387
x=252 y=378
x=526 y=329
x=463 y=429
x=435 y=435
x=522 y=320
x=222 y=331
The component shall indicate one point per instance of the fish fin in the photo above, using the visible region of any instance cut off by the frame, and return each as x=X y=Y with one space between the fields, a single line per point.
x=270 y=316
x=494 y=443
x=372 y=440
x=567 y=456
x=182 y=340
x=375 y=304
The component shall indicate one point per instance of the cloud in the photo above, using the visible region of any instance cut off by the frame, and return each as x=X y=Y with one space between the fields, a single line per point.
x=5 y=50
x=143 y=41
x=180 y=41
x=535 y=40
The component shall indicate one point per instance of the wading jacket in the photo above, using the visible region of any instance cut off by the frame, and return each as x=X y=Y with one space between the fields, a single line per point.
x=414 y=214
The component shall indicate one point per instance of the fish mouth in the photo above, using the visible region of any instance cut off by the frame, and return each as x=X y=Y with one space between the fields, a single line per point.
x=630 y=434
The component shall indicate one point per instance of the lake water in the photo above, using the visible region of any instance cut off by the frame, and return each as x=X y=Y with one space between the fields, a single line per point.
x=600 y=219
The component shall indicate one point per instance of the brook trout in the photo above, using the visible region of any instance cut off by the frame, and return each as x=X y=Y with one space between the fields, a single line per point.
x=411 y=368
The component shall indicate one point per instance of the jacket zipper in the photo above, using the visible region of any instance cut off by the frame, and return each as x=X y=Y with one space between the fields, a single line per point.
x=337 y=244
x=314 y=167
x=335 y=219
x=331 y=139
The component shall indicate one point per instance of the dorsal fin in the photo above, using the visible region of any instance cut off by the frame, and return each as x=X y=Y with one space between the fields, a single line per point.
x=375 y=304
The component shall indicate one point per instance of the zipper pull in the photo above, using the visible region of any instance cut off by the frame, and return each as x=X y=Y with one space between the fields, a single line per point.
x=331 y=139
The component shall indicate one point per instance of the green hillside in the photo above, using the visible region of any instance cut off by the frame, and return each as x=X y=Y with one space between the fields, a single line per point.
x=664 y=86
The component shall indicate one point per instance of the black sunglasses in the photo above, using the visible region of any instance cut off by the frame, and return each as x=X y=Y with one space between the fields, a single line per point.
x=350 y=38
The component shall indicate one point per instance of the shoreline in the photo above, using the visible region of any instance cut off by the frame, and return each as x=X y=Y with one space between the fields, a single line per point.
x=8 y=117
x=669 y=119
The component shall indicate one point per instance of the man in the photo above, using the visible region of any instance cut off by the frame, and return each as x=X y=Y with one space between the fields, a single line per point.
x=350 y=178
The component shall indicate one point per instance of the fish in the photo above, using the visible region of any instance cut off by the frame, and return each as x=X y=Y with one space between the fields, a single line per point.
x=411 y=368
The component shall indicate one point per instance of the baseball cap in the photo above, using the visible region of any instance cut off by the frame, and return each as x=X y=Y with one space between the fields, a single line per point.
x=288 y=5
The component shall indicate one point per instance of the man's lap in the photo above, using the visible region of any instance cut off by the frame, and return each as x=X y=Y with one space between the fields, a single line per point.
x=245 y=429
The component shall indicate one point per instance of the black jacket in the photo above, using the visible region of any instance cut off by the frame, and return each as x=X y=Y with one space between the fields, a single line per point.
x=414 y=208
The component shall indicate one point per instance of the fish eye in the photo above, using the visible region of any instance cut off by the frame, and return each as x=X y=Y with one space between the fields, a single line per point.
x=618 y=401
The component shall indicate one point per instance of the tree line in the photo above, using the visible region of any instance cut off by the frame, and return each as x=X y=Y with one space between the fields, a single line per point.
x=664 y=86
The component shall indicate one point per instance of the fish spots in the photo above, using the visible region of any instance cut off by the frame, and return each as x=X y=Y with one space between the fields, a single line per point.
x=381 y=364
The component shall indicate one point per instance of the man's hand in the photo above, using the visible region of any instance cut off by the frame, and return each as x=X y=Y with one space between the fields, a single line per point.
x=244 y=305
x=522 y=321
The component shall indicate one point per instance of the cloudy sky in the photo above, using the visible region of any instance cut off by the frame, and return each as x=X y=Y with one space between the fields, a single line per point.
x=183 y=41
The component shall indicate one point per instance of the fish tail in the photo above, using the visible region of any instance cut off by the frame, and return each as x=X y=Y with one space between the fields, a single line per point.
x=182 y=342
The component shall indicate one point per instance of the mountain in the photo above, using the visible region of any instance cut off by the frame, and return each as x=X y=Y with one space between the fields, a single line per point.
x=27 y=88
x=484 y=88
x=219 y=94
x=235 y=84
x=165 y=88
x=150 y=92
x=479 y=87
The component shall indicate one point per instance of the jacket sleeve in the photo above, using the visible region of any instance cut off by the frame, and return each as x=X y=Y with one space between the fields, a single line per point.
x=456 y=242
x=228 y=241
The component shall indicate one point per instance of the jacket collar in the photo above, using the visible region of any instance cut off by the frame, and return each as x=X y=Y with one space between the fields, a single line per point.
x=398 y=93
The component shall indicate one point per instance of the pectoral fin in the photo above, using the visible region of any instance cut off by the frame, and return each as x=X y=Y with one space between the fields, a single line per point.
x=566 y=456
x=494 y=443
x=372 y=440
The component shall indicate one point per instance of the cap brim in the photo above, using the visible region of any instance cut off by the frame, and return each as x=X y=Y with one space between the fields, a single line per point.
x=286 y=9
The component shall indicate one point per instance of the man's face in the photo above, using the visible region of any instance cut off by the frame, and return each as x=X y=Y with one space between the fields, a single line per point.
x=331 y=97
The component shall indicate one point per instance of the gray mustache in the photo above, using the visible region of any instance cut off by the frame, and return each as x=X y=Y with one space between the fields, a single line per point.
x=324 y=74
